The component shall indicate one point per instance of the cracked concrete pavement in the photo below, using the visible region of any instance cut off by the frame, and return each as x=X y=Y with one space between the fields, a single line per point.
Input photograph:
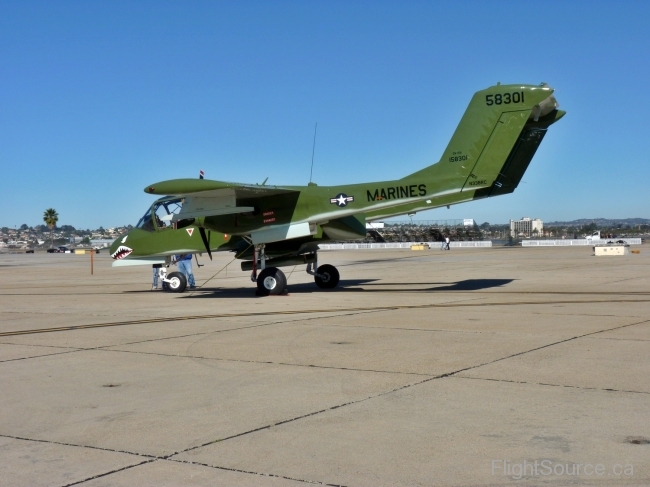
x=423 y=368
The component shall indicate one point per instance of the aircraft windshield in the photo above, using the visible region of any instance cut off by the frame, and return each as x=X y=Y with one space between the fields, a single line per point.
x=162 y=212
x=165 y=210
x=146 y=223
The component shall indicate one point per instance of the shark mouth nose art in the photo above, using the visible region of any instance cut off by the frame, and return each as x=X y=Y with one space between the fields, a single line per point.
x=121 y=252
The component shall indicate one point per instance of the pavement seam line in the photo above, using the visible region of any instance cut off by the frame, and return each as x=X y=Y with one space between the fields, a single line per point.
x=61 y=443
x=149 y=459
x=306 y=415
x=229 y=329
x=549 y=385
x=104 y=347
x=250 y=472
x=37 y=345
x=38 y=356
x=623 y=339
x=184 y=318
x=121 y=469
x=292 y=312
x=554 y=343
x=442 y=376
x=545 y=346
x=312 y=366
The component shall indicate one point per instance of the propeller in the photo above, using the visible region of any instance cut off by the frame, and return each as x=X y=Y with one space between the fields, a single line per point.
x=204 y=237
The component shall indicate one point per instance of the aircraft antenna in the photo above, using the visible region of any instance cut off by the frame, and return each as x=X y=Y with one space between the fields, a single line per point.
x=313 y=149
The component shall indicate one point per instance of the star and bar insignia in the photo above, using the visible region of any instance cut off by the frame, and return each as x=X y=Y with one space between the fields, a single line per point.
x=342 y=199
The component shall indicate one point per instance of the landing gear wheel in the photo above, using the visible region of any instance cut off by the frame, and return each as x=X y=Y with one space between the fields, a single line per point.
x=328 y=276
x=177 y=282
x=271 y=281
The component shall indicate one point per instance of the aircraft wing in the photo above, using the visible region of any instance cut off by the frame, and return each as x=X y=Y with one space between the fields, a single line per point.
x=204 y=197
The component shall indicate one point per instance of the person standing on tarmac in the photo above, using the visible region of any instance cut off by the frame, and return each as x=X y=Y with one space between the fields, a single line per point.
x=184 y=262
x=154 y=285
x=447 y=242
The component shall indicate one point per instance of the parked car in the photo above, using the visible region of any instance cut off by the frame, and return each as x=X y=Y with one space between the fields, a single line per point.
x=61 y=249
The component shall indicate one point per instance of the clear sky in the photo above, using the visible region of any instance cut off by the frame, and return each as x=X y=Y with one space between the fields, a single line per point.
x=100 y=99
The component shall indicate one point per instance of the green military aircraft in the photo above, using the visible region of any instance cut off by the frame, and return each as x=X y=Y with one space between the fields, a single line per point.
x=273 y=226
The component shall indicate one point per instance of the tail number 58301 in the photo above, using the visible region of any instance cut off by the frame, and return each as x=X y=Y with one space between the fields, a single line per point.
x=505 y=98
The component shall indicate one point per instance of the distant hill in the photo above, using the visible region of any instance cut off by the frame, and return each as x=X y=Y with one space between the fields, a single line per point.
x=601 y=222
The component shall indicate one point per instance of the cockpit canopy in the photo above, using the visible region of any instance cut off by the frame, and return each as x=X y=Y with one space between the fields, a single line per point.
x=159 y=215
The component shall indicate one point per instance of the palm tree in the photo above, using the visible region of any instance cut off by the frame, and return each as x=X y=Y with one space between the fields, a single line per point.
x=50 y=217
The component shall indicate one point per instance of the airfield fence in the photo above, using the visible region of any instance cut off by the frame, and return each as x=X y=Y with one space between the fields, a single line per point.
x=402 y=245
x=423 y=231
x=576 y=241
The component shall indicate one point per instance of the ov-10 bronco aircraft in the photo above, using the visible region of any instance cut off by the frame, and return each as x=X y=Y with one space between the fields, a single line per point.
x=273 y=226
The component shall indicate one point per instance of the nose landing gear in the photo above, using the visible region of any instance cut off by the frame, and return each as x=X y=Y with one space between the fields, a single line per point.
x=174 y=282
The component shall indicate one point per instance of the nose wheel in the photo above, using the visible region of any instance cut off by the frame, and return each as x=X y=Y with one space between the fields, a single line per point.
x=176 y=282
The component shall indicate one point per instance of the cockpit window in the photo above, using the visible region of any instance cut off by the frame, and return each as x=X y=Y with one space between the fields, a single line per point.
x=146 y=223
x=162 y=212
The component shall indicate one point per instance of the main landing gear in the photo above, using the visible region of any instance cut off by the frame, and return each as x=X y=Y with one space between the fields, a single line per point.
x=326 y=276
x=271 y=281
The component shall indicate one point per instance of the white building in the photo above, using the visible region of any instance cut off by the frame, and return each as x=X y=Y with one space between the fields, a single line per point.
x=526 y=226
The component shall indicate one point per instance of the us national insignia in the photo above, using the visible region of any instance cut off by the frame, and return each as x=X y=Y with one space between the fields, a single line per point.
x=341 y=199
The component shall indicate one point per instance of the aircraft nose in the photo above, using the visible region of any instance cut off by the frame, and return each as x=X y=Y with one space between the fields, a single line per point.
x=115 y=245
x=119 y=249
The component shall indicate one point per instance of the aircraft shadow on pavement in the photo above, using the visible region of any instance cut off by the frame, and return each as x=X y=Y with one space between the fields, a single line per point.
x=353 y=285
x=300 y=288
x=473 y=285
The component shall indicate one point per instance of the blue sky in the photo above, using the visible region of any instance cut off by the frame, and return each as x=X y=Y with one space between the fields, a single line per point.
x=100 y=99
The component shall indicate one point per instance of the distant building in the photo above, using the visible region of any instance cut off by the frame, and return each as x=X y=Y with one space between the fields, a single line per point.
x=374 y=225
x=101 y=242
x=468 y=222
x=526 y=226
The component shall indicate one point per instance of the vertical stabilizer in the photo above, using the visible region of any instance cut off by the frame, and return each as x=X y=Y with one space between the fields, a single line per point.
x=487 y=134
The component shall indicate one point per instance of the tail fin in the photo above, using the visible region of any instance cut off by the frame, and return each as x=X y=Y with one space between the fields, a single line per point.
x=496 y=139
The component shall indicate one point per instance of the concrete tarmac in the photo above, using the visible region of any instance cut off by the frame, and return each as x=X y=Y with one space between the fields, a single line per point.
x=502 y=366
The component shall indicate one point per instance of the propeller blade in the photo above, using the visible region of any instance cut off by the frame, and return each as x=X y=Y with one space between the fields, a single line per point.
x=204 y=237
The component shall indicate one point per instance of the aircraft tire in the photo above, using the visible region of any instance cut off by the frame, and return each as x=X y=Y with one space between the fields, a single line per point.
x=331 y=276
x=271 y=281
x=177 y=282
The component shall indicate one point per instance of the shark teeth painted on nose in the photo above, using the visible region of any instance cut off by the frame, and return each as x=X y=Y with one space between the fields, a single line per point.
x=121 y=252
